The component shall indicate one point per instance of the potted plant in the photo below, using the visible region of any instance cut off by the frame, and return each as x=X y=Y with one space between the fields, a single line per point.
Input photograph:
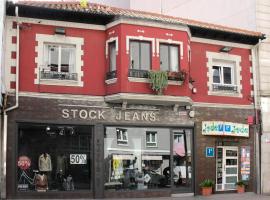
x=240 y=186
x=177 y=76
x=207 y=187
x=158 y=80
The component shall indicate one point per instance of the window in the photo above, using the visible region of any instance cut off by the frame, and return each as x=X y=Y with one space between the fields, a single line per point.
x=224 y=74
x=122 y=137
x=54 y=158
x=223 y=77
x=169 y=57
x=112 y=53
x=59 y=62
x=151 y=139
x=140 y=55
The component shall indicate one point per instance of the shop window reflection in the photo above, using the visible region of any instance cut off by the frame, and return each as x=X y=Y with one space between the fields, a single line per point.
x=182 y=159
x=137 y=166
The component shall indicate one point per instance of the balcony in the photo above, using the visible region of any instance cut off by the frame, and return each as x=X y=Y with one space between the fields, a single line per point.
x=111 y=75
x=224 y=88
x=58 y=75
x=137 y=73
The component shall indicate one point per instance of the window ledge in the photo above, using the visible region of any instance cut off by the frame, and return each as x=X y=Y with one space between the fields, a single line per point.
x=225 y=94
x=146 y=80
x=111 y=81
x=59 y=82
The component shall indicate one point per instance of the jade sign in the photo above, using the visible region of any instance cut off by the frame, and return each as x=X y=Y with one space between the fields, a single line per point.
x=225 y=128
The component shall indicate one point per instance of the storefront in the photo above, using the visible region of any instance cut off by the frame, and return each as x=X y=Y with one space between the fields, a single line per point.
x=94 y=150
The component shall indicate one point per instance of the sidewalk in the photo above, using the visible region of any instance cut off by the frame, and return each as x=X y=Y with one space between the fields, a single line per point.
x=245 y=196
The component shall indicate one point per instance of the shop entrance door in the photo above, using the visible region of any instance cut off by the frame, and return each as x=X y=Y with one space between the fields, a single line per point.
x=227 y=168
x=182 y=172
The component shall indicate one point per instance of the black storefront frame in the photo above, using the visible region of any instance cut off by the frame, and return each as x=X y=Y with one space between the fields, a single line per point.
x=52 y=194
x=97 y=189
x=154 y=192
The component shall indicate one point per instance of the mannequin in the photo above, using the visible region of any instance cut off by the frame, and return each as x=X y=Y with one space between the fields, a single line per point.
x=61 y=164
x=45 y=168
x=45 y=163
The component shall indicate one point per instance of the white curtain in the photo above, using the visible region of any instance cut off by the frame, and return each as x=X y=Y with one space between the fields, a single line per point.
x=174 y=58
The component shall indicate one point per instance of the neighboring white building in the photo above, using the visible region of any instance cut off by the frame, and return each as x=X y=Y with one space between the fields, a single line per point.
x=263 y=25
x=233 y=13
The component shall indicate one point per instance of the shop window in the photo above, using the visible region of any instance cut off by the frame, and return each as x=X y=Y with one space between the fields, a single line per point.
x=224 y=74
x=54 y=158
x=122 y=136
x=140 y=58
x=151 y=139
x=169 y=57
x=135 y=167
x=59 y=62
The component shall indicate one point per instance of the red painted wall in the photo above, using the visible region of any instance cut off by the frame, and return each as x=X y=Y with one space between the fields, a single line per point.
x=94 y=61
x=96 y=64
x=199 y=70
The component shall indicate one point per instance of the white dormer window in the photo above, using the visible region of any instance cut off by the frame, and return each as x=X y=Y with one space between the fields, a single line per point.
x=122 y=136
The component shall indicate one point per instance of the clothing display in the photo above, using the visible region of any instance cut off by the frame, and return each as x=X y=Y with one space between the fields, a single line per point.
x=68 y=183
x=117 y=172
x=45 y=163
x=41 y=182
x=61 y=164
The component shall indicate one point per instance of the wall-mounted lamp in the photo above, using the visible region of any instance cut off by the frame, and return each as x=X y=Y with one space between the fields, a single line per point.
x=60 y=31
x=194 y=90
x=225 y=49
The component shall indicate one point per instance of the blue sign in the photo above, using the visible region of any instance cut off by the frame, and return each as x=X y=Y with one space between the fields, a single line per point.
x=210 y=152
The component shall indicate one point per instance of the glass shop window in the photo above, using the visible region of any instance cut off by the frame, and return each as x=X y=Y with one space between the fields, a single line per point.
x=136 y=166
x=54 y=158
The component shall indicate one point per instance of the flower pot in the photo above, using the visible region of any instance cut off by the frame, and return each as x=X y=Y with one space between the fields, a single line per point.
x=206 y=191
x=240 y=189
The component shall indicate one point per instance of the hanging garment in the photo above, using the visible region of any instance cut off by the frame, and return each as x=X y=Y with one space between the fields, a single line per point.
x=61 y=164
x=117 y=169
x=45 y=163
x=41 y=182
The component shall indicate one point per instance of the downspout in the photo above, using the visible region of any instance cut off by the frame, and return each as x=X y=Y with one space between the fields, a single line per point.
x=257 y=143
x=4 y=142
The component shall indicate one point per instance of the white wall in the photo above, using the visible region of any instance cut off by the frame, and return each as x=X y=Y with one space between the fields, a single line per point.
x=236 y=13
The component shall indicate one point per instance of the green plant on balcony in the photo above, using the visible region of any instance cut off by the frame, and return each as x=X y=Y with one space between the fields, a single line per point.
x=158 y=81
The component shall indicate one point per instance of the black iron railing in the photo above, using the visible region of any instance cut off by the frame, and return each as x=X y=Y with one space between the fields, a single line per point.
x=111 y=75
x=137 y=73
x=58 y=75
x=220 y=87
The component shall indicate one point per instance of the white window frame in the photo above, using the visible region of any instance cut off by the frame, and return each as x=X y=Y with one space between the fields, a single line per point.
x=216 y=59
x=141 y=38
x=151 y=142
x=42 y=40
x=172 y=42
x=121 y=141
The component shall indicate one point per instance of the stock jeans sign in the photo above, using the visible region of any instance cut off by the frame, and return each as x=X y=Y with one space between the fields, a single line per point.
x=225 y=128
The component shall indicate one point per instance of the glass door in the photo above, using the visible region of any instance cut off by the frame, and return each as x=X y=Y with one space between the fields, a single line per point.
x=226 y=168
x=182 y=161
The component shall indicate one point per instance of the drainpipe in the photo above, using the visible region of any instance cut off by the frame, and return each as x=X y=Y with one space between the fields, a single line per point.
x=257 y=143
x=4 y=142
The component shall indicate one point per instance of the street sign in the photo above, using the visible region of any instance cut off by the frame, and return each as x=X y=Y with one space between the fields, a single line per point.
x=210 y=152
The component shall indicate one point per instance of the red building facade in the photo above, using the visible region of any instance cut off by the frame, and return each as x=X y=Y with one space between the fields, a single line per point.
x=88 y=122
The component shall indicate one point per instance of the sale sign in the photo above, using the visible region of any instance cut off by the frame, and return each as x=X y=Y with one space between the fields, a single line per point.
x=24 y=162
